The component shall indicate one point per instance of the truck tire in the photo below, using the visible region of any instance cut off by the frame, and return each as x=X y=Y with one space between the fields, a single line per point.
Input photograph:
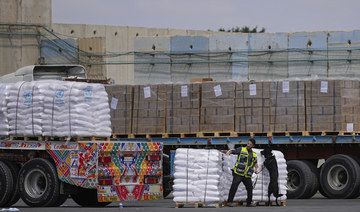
x=300 y=179
x=88 y=198
x=315 y=179
x=321 y=190
x=357 y=159
x=14 y=170
x=340 y=177
x=39 y=185
x=6 y=184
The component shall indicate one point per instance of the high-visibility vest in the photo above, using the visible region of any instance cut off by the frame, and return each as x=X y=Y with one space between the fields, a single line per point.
x=241 y=166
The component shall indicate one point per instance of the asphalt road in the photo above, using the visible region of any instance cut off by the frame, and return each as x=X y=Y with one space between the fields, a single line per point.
x=317 y=203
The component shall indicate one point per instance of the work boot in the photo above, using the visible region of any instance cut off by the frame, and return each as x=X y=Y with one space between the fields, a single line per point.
x=251 y=205
x=230 y=204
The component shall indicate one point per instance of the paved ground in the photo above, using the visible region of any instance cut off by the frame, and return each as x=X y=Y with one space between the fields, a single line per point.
x=317 y=203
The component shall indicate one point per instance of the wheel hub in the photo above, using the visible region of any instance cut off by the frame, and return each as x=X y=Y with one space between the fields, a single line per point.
x=293 y=180
x=337 y=177
x=36 y=183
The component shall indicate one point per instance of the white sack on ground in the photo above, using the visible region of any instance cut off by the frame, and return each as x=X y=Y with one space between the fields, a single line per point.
x=197 y=175
x=200 y=177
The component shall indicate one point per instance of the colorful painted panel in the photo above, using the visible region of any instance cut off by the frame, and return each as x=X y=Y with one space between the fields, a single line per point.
x=77 y=166
x=129 y=193
x=130 y=170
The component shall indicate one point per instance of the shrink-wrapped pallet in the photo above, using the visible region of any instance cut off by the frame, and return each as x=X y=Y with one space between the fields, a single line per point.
x=121 y=103
x=4 y=124
x=217 y=106
x=206 y=176
x=75 y=109
x=58 y=109
x=24 y=104
x=323 y=104
x=287 y=106
x=197 y=175
x=149 y=109
x=182 y=108
x=252 y=107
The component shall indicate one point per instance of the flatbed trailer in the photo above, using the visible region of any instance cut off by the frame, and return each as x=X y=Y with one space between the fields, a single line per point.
x=324 y=162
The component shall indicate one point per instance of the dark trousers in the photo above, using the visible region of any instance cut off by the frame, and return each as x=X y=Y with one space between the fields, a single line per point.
x=237 y=179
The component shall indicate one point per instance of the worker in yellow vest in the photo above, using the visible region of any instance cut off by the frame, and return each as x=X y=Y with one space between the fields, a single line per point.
x=245 y=166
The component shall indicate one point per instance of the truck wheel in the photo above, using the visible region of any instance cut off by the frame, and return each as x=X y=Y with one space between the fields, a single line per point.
x=300 y=179
x=357 y=159
x=87 y=198
x=320 y=187
x=6 y=184
x=38 y=183
x=340 y=177
x=315 y=179
x=14 y=170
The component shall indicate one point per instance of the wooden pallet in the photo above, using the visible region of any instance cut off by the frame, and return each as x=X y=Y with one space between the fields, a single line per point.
x=198 y=204
x=122 y=135
x=49 y=138
x=90 y=138
x=346 y=133
x=233 y=134
x=180 y=135
x=148 y=135
x=26 y=138
x=216 y=134
x=259 y=203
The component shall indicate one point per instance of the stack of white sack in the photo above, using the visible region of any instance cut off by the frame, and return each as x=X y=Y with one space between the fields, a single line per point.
x=24 y=109
x=4 y=124
x=58 y=109
x=262 y=179
x=197 y=175
x=75 y=109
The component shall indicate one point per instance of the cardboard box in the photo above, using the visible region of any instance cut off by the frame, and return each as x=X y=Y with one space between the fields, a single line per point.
x=121 y=103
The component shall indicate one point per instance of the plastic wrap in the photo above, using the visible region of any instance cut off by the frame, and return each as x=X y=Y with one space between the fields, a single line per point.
x=57 y=109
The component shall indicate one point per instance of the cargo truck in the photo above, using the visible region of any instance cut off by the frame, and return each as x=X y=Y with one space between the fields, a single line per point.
x=94 y=171
x=128 y=168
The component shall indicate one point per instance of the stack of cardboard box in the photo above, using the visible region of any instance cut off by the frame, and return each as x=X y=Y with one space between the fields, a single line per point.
x=278 y=106
x=323 y=105
x=252 y=107
x=287 y=106
x=149 y=108
x=350 y=105
x=183 y=108
x=120 y=101
x=217 y=106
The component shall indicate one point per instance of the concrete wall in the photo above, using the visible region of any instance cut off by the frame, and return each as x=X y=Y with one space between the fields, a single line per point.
x=265 y=56
x=229 y=47
x=19 y=50
x=308 y=41
x=155 y=49
x=344 y=40
x=266 y=47
x=120 y=39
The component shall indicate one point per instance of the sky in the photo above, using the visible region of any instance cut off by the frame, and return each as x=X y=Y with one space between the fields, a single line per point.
x=273 y=15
